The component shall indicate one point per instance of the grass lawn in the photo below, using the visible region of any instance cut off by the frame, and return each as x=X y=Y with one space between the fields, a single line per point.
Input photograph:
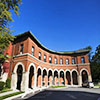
x=5 y=90
x=10 y=95
x=57 y=86
x=97 y=85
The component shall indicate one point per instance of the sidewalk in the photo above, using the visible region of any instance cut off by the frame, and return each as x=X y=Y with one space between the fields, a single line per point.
x=9 y=92
x=27 y=94
x=96 y=87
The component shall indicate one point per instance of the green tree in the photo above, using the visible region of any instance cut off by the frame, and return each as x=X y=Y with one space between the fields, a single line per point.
x=6 y=6
x=95 y=65
x=90 y=53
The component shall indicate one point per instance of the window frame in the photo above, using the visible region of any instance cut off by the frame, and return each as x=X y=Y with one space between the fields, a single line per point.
x=61 y=61
x=39 y=55
x=82 y=61
x=72 y=60
x=67 y=60
x=55 y=60
x=50 y=59
x=45 y=58
x=32 y=50
x=21 y=48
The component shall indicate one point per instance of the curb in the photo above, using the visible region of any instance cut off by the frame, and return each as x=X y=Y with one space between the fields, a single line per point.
x=96 y=87
x=9 y=92
x=13 y=97
x=36 y=91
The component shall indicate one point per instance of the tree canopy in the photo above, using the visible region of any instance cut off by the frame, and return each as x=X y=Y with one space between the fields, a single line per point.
x=6 y=6
x=90 y=53
x=95 y=65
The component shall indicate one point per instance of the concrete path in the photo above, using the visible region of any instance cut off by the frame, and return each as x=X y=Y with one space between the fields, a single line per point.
x=9 y=92
x=27 y=94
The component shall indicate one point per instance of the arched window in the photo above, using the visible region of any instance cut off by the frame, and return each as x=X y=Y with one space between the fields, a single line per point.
x=21 y=48
x=39 y=55
x=50 y=60
x=55 y=60
x=44 y=58
x=67 y=61
x=32 y=50
x=73 y=60
x=82 y=60
x=61 y=61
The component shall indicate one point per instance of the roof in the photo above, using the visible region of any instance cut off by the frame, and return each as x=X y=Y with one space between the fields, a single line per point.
x=29 y=34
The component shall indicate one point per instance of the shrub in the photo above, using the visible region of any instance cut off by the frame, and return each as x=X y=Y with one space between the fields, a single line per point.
x=2 y=85
x=8 y=83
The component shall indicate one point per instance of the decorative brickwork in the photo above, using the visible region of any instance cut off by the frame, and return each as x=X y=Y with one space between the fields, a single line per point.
x=35 y=72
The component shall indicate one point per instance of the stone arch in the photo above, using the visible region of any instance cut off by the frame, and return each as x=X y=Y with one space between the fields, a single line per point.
x=40 y=68
x=67 y=70
x=61 y=70
x=39 y=76
x=31 y=64
x=50 y=78
x=74 y=70
x=45 y=69
x=85 y=70
x=62 y=77
x=75 y=76
x=68 y=77
x=50 y=69
x=56 y=72
x=44 y=77
x=31 y=75
x=16 y=66
x=84 y=74
x=17 y=76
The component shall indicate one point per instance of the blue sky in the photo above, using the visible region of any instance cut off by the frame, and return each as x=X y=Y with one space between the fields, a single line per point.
x=61 y=25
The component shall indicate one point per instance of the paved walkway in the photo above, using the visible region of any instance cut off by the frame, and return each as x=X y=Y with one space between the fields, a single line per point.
x=28 y=93
x=9 y=92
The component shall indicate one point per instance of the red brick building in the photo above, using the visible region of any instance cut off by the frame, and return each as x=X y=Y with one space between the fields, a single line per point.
x=5 y=67
x=33 y=65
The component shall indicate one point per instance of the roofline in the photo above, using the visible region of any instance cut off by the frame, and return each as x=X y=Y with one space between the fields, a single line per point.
x=52 y=51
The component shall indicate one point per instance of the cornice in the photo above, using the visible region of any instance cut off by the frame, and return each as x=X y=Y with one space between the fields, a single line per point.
x=30 y=34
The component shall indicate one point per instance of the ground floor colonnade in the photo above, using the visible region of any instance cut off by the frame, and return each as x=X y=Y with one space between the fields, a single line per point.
x=38 y=77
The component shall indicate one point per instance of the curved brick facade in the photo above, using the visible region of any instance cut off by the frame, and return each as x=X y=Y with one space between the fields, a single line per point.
x=29 y=71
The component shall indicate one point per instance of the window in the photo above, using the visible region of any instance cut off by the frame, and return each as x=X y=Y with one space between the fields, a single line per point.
x=67 y=61
x=32 y=50
x=82 y=60
x=50 y=60
x=73 y=61
x=44 y=58
x=21 y=49
x=61 y=61
x=55 y=60
x=39 y=55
